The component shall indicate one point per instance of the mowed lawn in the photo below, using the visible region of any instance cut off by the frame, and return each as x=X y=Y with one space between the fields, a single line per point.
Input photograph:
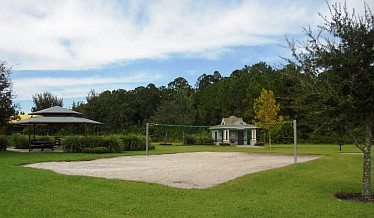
x=301 y=190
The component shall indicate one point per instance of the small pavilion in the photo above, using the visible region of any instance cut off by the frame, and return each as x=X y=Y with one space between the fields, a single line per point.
x=234 y=131
x=56 y=115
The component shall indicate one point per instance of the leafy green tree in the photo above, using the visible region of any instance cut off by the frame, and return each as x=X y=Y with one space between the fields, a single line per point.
x=337 y=80
x=261 y=76
x=178 y=107
x=206 y=81
x=266 y=110
x=45 y=100
x=144 y=102
x=108 y=107
x=7 y=107
x=208 y=110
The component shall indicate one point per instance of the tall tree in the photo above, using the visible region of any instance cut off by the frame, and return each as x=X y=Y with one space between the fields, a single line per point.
x=177 y=108
x=7 y=107
x=208 y=110
x=266 y=110
x=45 y=100
x=337 y=79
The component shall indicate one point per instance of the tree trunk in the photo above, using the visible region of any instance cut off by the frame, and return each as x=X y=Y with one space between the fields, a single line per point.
x=366 y=150
x=366 y=179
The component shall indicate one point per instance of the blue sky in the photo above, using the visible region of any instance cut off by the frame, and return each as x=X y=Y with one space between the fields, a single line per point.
x=70 y=47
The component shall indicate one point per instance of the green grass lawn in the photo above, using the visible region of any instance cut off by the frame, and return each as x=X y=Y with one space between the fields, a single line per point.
x=294 y=191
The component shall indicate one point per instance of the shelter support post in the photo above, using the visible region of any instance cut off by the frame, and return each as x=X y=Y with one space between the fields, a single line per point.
x=295 y=140
x=146 y=138
x=34 y=132
x=29 y=130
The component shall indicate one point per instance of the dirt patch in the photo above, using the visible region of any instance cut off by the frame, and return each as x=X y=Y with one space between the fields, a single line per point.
x=355 y=197
x=182 y=170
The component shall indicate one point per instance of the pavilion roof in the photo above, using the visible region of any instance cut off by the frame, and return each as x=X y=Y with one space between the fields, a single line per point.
x=57 y=120
x=56 y=115
x=56 y=110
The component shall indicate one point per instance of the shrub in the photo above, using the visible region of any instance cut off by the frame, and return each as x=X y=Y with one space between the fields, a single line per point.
x=189 y=140
x=72 y=144
x=199 y=139
x=19 y=141
x=97 y=150
x=205 y=140
x=132 y=142
x=331 y=138
x=3 y=142
x=76 y=144
x=88 y=150
x=45 y=138
x=224 y=144
x=101 y=150
x=113 y=143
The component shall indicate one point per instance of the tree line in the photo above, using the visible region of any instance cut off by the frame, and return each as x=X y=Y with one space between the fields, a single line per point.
x=206 y=103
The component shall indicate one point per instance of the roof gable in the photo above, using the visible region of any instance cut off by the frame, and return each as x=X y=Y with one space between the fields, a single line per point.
x=232 y=120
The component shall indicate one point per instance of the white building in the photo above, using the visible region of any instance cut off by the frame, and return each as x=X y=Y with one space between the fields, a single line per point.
x=234 y=131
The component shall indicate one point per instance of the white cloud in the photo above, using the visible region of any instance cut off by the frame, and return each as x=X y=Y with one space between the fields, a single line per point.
x=77 y=87
x=86 y=34
x=73 y=34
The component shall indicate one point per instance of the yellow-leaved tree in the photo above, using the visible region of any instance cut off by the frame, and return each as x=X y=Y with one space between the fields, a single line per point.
x=266 y=112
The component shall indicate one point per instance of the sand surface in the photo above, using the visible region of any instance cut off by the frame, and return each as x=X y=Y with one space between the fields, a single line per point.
x=182 y=170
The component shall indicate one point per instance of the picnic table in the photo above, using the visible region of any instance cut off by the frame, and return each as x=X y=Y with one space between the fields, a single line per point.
x=41 y=144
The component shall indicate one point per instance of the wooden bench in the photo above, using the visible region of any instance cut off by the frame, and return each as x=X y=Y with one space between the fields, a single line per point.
x=41 y=144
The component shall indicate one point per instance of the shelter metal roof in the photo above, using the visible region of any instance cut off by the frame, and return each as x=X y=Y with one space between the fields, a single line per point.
x=57 y=120
x=56 y=110
x=56 y=115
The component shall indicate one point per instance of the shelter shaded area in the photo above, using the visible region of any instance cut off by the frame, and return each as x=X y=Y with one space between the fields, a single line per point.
x=56 y=115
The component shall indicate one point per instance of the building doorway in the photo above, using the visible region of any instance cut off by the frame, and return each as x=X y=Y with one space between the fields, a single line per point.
x=240 y=138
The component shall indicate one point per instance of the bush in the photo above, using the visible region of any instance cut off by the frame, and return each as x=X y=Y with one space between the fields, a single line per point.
x=45 y=138
x=132 y=142
x=189 y=140
x=199 y=139
x=88 y=150
x=101 y=150
x=111 y=143
x=332 y=138
x=224 y=144
x=3 y=142
x=19 y=141
x=76 y=144
x=97 y=150
x=72 y=144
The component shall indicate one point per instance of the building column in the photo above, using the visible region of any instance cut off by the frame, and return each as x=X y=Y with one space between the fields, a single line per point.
x=226 y=136
x=246 y=137
x=222 y=135
x=253 y=139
